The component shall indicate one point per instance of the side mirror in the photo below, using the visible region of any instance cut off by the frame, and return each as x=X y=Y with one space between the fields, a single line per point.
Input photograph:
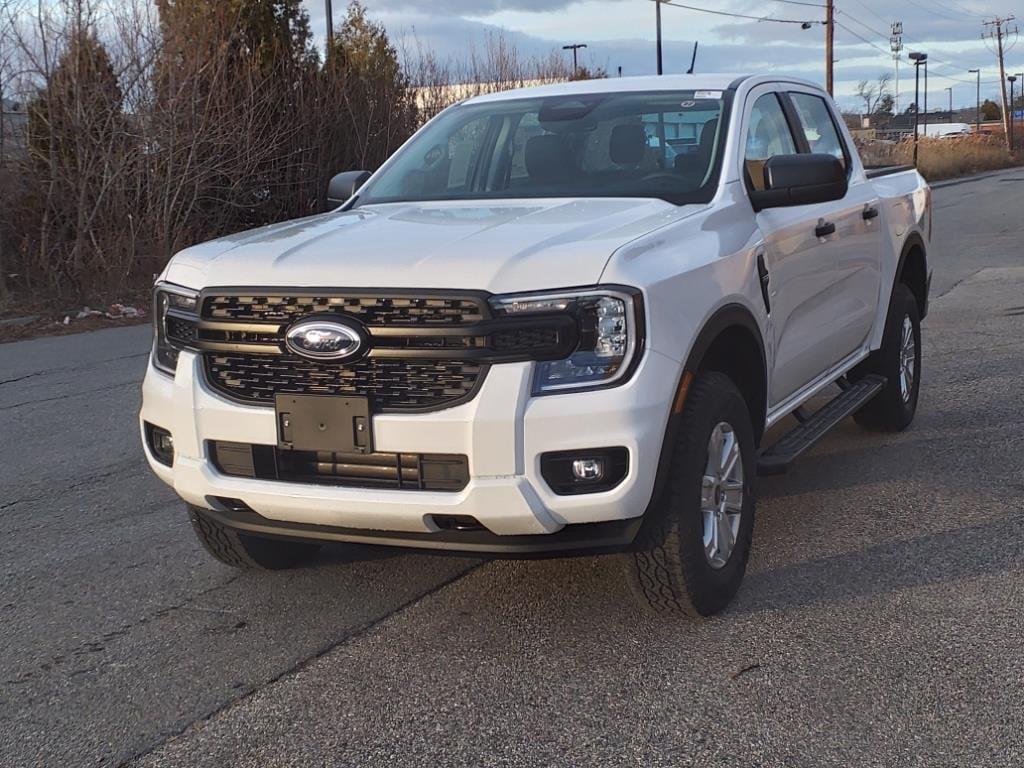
x=344 y=185
x=800 y=180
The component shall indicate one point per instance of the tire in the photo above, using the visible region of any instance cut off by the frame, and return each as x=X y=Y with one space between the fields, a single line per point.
x=670 y=568
x=893 y=409
x=245 y=551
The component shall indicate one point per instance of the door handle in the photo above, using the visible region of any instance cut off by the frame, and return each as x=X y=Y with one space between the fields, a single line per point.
x=825 y=228
x=870 y=212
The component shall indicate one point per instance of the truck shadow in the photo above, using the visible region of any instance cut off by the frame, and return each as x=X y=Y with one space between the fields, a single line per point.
x=988 y=547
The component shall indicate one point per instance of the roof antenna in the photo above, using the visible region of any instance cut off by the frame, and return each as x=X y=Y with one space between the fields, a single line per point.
x=693 y=61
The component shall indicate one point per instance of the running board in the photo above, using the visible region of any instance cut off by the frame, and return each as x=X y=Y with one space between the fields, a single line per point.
x=778 y=458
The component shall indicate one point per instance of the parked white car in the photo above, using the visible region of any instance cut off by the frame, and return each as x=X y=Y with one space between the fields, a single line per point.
x=531 y=331
x=944 y=130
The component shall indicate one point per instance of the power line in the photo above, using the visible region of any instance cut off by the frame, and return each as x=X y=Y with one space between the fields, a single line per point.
x=935 y=9
x=800 y=2
x=739 y=15
x=931 y=59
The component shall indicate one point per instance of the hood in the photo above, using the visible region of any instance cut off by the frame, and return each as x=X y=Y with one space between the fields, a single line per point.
x=501 y=247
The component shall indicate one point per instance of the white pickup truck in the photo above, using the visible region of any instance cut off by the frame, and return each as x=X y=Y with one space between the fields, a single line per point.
x=558 y=319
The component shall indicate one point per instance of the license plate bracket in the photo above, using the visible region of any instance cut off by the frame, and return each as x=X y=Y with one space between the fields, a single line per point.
x=324 y=423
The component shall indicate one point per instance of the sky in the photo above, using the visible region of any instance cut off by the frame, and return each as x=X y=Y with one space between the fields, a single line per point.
x=621 y=33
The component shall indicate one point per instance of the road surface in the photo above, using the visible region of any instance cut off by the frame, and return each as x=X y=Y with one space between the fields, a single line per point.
x=879 y=623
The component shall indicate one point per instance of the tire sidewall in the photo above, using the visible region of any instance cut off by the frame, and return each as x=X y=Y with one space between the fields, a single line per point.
x=719 y=584
x=668 y=567
x=903 y=305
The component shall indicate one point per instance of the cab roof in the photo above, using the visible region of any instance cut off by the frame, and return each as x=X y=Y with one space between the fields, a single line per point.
x=647 y=83
x=618 y=85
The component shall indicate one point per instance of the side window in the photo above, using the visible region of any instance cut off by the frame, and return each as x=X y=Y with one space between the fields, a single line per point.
x=818 y=126
x=768 y=135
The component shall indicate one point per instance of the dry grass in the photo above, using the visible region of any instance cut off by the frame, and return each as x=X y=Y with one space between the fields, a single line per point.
x=943 y=158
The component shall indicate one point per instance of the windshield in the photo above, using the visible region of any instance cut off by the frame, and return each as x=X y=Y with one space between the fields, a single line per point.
x=664 y=145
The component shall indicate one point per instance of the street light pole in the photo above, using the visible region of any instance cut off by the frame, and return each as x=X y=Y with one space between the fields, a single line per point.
x=329 y=17
x=926 y=95
x=977 y=115
x=1012 y=79
x=575 y=62
x=918 y=59
x=657 y=21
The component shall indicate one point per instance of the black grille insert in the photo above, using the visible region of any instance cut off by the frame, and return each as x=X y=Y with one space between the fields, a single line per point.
x=391 y=384
x=397 y=471
x=370 y=309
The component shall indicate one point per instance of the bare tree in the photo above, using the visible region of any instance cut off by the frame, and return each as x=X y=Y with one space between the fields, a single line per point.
x=155 y=124
x=874 y=94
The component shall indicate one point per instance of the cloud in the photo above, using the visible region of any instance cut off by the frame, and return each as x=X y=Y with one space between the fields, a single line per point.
x=620 y=33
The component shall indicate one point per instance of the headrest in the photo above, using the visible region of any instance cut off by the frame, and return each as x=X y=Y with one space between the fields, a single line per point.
x=547 y=158
x=628 y=144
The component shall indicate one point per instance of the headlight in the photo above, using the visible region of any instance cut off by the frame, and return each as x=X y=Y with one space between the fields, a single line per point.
x=175 y=320
x=610 y=324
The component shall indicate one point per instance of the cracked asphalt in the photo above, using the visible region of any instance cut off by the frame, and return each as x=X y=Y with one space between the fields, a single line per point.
x=879 y=624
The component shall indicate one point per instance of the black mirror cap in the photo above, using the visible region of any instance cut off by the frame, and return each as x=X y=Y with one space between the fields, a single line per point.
x=344 y=185
x=801 y=180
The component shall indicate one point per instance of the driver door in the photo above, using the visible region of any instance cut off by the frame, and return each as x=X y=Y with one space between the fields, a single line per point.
x=798 y=267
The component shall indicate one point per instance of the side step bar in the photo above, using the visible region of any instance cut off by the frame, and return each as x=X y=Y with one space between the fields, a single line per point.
x=778 y=458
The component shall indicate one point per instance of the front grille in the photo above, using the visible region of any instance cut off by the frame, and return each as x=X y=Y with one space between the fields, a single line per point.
x=396 y=471
x=391 y=384
x=370 y=309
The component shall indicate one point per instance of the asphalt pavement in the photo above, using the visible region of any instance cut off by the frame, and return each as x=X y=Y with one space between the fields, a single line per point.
x=879 y=623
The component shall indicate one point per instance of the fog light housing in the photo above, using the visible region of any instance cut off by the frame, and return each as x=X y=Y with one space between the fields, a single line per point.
x=161 y=444
x=569 y=473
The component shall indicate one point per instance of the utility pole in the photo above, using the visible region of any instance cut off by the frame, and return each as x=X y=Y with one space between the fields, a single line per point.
x=657 y=22
x=896 y=45
x=830 y=36
x=574 y=48
x=998 y=31
x=977 y=116
x=329 y=15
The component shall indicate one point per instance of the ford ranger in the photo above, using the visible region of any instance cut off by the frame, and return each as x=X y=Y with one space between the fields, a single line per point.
x=575 y=318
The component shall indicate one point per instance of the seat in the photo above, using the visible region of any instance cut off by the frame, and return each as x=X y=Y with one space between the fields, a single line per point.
x=694 y=165
x=548 y=159
x=628 y=144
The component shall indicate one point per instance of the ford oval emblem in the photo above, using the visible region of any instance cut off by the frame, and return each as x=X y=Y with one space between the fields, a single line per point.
x=324 y=339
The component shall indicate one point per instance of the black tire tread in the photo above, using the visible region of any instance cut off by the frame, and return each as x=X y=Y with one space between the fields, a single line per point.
x=662 y=578
x=887 y=412
x=245 y=552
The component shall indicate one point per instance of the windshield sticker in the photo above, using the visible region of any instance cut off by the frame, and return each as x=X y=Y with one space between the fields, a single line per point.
x=707 y=94
x=688 y=104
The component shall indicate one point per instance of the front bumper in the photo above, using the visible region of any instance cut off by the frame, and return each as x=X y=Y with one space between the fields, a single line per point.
x=503 y=431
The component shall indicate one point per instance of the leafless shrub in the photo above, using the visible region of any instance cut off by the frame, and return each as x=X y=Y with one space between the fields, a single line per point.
x=942 y=158
x=155 y=124
x=496 y=66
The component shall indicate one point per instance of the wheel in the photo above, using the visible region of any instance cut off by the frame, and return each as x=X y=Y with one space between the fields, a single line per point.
x=243 y=550
x=899 y=360
x=691 y=553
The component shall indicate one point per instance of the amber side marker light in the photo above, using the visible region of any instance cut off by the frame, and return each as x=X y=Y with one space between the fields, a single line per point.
x=684 y=387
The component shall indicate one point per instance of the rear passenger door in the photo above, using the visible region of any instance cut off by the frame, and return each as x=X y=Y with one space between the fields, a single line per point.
x=794 y=259
x=854 y=249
